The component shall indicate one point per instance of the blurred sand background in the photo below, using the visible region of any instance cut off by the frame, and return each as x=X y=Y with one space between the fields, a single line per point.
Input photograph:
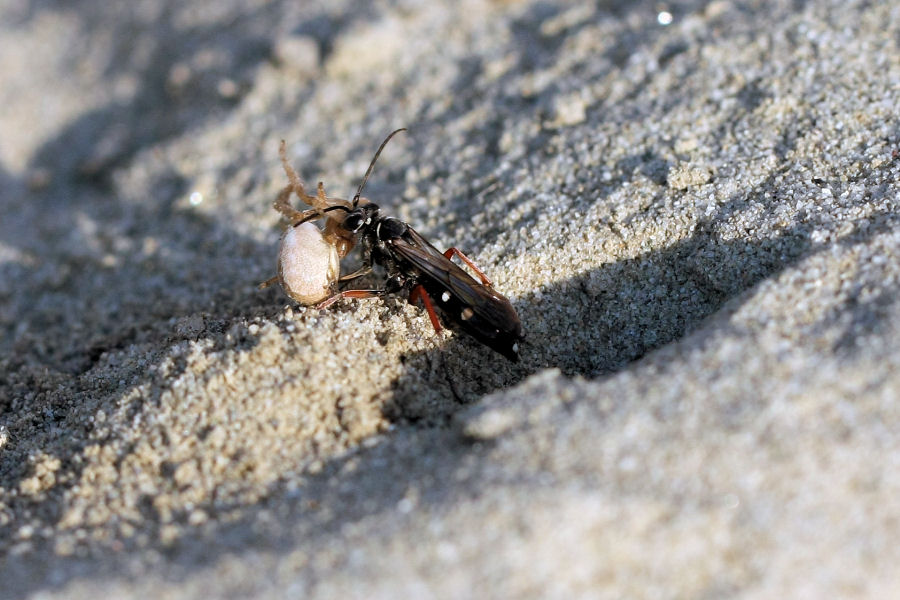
x=692 y=205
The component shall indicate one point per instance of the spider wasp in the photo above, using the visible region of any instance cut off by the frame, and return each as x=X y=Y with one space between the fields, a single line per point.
x=412 y=265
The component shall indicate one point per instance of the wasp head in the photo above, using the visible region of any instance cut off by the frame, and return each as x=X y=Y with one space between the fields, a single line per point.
x=360 y=217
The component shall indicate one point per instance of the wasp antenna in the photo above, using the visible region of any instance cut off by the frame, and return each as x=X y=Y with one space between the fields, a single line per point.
x=372 y=164
x=315 y=216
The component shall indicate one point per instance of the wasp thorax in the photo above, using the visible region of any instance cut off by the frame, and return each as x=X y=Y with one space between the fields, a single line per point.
x=308 y=266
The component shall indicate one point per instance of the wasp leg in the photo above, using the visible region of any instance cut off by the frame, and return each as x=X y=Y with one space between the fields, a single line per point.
x=267 y=283
x=419 y=292
x=359 y=294
x=484 y=278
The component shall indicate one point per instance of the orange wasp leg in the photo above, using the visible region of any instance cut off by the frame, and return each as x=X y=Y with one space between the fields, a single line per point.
x=419 y=292
x=359 y=294
x=484 y=278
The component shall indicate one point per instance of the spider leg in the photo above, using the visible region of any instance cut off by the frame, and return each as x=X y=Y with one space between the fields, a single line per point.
x=356 y=274
x=267 y=283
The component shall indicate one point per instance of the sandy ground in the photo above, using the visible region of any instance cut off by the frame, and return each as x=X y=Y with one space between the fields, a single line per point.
x=697 y=222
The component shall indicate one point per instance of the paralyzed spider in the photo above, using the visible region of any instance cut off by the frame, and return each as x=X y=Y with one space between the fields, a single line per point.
x=309 y=259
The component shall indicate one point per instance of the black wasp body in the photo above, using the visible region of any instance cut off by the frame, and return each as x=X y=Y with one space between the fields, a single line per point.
x=414 y=266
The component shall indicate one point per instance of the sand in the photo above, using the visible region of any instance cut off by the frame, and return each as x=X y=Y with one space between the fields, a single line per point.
x=697 y=223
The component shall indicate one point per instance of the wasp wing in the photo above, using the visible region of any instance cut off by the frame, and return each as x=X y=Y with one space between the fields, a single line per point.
x=431 y=262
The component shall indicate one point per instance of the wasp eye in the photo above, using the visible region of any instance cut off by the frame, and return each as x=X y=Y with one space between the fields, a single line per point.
x=353 y=222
